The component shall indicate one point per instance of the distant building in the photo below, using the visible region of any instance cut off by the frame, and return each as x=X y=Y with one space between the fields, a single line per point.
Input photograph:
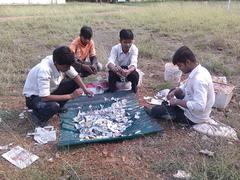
x=32 y=1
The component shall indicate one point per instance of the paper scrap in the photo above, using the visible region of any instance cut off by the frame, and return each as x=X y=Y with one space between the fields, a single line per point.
x=207 y=152
x=182 y=175
x=6 y=147
x=44 y=135
x=20 y=157
x=154 y=101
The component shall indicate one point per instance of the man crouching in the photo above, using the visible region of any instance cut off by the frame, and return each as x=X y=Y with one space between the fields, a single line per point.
x=46 y=91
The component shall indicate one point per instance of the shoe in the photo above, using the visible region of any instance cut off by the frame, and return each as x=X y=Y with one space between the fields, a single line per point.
x=135 y=89
x=147 y=110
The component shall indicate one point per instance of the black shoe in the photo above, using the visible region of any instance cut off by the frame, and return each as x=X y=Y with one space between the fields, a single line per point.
x=135 y=89
x=147 y=110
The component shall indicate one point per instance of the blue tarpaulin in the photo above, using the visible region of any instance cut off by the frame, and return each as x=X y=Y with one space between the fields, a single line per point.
x=141 y=126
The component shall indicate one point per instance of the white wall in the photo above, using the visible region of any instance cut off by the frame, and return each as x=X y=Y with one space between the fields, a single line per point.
x=32 y=1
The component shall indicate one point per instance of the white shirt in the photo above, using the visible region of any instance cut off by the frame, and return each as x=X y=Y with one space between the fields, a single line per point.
x=199 y=95
x=44 y=78
x=118 y=57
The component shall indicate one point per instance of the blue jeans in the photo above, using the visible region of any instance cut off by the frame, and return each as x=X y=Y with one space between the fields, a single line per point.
x=44 y=110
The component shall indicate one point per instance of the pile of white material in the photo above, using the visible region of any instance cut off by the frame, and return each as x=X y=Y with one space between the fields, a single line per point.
x=214 y=128
x=103 y=123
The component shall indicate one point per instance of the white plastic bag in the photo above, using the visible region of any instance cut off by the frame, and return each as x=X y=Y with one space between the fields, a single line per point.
x=172 y=74
x=214 y=128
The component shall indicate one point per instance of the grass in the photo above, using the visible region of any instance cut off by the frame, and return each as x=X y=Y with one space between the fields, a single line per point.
x=29 y=33
x=38 y=29
x=224 y=164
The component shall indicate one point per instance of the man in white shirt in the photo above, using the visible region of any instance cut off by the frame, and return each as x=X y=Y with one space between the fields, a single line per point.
x=192 y=102
x=122 y=62
x=45 y=90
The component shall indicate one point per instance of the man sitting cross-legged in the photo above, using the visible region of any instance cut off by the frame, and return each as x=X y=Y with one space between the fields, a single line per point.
x=191 y=103
x=122 y=63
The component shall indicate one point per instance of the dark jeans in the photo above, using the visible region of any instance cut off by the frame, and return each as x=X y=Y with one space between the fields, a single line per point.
x=133 y=77
x=174 y=113
x=44 y=110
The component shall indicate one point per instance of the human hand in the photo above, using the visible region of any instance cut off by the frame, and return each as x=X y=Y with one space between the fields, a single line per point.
x=94 y=68
x=118 y=70
x=76 y=93
x=171 y=95
x=173 y=102
x=88 y=92
x=125 y=72
x=87 y=68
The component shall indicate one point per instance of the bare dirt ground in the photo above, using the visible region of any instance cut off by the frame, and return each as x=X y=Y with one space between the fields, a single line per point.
x=134 y=159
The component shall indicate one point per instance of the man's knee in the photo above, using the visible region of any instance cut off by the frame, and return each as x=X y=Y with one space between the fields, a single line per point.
x=48 y=107
x=134 y=76
x=54 y=107
x=160 y=111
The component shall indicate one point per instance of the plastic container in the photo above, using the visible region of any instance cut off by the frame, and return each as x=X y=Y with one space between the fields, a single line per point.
x=172 y=74
x=223 y=94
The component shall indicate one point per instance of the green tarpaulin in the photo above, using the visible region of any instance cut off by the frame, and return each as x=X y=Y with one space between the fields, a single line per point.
x=142 y=126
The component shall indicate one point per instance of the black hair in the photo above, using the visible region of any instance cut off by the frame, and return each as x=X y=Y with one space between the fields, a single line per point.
x=182 y=55
x=63 y=56
x=86 y=32
x=126 y=34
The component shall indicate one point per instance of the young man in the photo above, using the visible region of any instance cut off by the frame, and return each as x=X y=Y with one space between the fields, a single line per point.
x=45 y=90
x=192 y=102
x=83 y=48
x=122 y=62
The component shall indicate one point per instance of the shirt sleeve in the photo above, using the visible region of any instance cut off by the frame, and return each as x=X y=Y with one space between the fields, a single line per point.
x=113 y=56
x=199 y=102
x=43 y=80
x=92 y=50
x=73 y=45
x=134 y=57
x=72 y=73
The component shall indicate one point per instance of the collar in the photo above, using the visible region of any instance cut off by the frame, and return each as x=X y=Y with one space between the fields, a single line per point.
x=80 y=42
x=56 y=73
x=194 y=71
x=121 y=51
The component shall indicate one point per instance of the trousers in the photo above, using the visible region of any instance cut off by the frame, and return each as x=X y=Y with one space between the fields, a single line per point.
x=133 y=77
x=44 y=110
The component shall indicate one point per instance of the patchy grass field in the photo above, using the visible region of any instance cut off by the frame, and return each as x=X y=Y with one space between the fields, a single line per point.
x=29 y=33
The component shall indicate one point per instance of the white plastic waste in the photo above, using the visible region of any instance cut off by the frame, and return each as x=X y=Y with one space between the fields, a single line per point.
x=44 y=135
x=141 y=74
x=214 y=128
x=172 y=74
x=207 y=152
x=182 y=175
